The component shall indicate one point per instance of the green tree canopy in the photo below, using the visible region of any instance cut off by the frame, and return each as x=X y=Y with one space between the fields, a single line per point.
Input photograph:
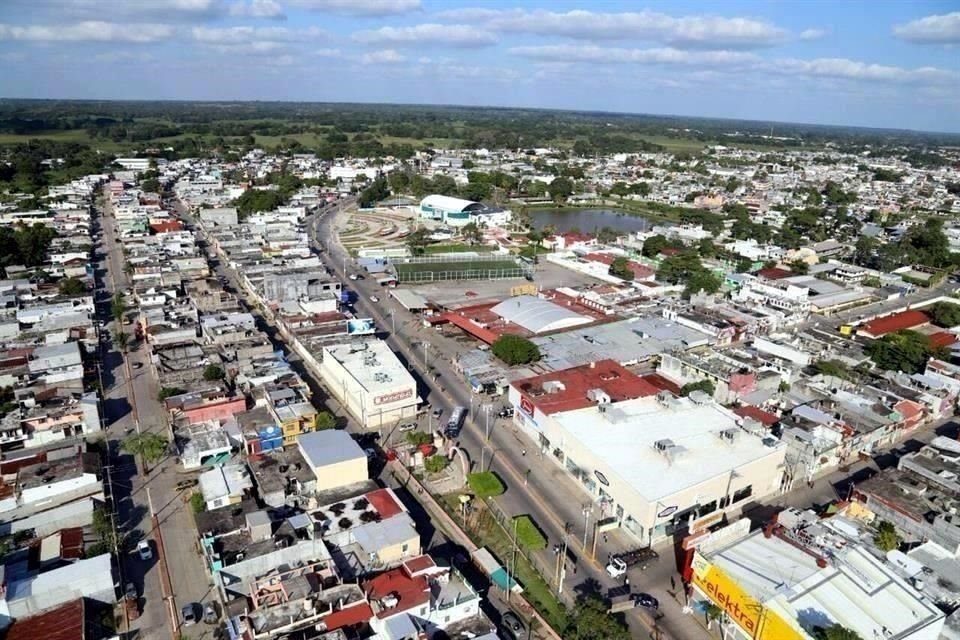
x=653 y=245
x=833 y=368
x=945 y=314
x=375 y=192
x=589 y=620
x=886 y=537
x=72 y=287
x=256 y=200
x=515 y=350
x=213 y=372
x=620 y=268
x=703 y=280
x=838 y=632
x=325 y=420
x=417 y=240
x=472 y=233
x=906 y=351
x=560 y=188
x=700 y=385
x=150 y=446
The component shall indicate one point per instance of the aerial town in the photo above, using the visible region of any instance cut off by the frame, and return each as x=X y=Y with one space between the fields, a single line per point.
x=281 y=397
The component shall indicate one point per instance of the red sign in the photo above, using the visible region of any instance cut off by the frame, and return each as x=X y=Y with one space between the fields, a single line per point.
x=526 y=406
x=396 y=396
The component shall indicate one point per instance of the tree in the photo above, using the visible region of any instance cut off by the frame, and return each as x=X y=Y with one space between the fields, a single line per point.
x=169 y=392
x=377 y=190
x=72 y=287
x=472 y=233
x=703 y=281
x=325 y=420
x=417 y=240
x=150 y=446
x=607 y=235
x=653 y=245
x=515 y=350
x=864 y=250
x=560 y=188
x=589 y=620
x=837 y=631
x=833 y=368
x=213 y=372
x=799 y=267
x=256 y=200
x=121 y=339
x=197 y=503
x=151 y=185
x=886 y=537
x=706 y=248
x=945 y=314
x=700 y=385
x=906 y=351
x=620 y=268
x=118 y=307
x=417 y=438
x=436 y=463
x=678 y=269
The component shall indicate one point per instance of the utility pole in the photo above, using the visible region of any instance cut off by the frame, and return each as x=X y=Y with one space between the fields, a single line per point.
x=486 y=411
x=166 y=584
x=513 y=572
x=587 y=510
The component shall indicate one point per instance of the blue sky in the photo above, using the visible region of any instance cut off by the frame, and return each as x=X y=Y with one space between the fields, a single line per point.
x=884 y=64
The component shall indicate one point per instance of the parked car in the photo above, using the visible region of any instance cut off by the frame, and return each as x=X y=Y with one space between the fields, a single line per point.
x=186 y=484
x=190 y=613
x=506 y=412
x=352 y=276
x=408 y=426
x=437 y=413
x=647 y=601
x=210 y=615
x=144 y=550
x=374 y=299
x=511 y=626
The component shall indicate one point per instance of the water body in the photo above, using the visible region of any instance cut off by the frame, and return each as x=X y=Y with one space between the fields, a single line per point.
x=588 y=220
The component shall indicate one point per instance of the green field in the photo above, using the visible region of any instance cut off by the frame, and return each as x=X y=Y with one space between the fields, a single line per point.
x=456 y=248
x=458 y=270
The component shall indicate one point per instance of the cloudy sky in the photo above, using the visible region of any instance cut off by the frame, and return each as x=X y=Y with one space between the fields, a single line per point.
x=886 y=64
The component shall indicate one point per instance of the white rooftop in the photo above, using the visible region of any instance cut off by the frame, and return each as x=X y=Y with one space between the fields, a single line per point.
x=624 y=436
x=855 y=590
x=372 y=364
x=538 y=315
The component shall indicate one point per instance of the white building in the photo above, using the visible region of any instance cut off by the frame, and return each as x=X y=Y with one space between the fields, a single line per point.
x=657 y=463
x=458 y=212
x=369 y=380
x=792 y=300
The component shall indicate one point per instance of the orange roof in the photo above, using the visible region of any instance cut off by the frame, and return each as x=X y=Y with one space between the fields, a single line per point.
x=63 y=623
x=348 y=616
x=608 y=376
x=774 y=273
x=765 y=418
x=942 y=339
x=384 y=502
x=894 y=322
x=478 y=332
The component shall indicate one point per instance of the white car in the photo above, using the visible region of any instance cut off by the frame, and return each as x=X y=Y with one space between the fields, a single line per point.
x=143 y=548
x=409 y=426
x=616 y=568
x=352 y=276
x=374 y=299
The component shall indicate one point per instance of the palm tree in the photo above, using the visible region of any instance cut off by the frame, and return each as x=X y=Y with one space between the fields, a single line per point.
x=121 y=339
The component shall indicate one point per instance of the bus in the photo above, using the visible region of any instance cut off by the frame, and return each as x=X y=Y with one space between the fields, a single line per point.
x=455 y=423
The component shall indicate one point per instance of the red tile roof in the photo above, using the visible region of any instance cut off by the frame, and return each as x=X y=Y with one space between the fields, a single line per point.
x=765 y=418
x=349 y=616
x=894 y=322
x=662 y=383
x=419 y=564
x=640 y=271
x=384 y=502
x=478 y=332
x=607 y=375
x=166 y=226
x=942 y=339
x=63 y=623
x=411 y=592
x=773 y=273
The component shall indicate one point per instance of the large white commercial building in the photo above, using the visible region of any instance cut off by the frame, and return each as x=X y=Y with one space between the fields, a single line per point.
x=655 y=462
x=368 y=379
x=457 y=212
x=803 y=574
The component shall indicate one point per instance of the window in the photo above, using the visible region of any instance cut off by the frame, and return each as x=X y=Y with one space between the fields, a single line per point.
x=705 y=509
x=404 y=548
x=743 y=494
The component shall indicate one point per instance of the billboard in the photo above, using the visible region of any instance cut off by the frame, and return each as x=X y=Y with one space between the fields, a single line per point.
x=759 y=622
x=360 y=327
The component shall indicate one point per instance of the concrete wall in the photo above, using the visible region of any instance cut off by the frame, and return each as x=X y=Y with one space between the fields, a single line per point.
x=342 y=473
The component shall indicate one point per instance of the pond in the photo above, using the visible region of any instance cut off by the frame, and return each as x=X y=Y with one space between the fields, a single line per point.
x=588 y=220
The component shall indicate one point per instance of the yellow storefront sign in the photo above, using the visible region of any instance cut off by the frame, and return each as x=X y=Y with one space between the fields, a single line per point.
x=759 y=622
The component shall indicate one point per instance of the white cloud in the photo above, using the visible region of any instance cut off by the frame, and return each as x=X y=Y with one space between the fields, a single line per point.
x=386 y=56
x=119 y=57
x=844 y=68
x=938 y=29
x=327 y=53
x=607 y=55
x=257 y=9
x=814 y=34
x=88 y=31
x=454 y=35
x=689 y=31
x=361 y=7
x=247 y=35
x=166 y=10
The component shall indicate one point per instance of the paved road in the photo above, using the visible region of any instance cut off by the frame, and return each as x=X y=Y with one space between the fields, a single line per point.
x=546 y=493
x=132 y=398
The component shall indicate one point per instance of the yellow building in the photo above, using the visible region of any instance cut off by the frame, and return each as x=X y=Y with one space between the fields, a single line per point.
x=335 y=458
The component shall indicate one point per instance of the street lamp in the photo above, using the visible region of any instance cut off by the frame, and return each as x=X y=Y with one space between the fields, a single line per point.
x=486 y=411
x=587 y=510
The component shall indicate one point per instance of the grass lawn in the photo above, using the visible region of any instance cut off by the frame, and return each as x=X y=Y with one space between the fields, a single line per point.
x=529 y=535
x=535 y=589
x=675 y=145
x=485 y=484
x=457 y=248
x=468 y=270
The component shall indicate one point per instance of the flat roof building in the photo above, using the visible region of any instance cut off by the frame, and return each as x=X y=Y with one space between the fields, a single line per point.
x=336 y=459
x=656 y=462
x=368 y=379
x=538 y=315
